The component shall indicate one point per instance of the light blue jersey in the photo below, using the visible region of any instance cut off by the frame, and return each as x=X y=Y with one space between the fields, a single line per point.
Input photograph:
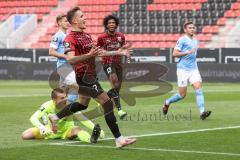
x=187 y=62
x=57 y=43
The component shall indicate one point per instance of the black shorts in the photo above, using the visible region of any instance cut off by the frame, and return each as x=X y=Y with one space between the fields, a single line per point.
x=113 y=68
x=89 y=86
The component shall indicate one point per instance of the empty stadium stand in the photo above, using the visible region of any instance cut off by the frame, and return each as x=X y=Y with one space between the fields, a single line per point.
x=40 y=8
x=147 y=23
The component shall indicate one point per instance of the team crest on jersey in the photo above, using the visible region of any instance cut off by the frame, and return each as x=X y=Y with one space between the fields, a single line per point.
x=67 y=45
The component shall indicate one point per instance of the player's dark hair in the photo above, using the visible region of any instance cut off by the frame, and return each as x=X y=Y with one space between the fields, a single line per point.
x=110 y=17
x=60 y=17
x=186 y=24
x=71 y=13
x=55 y=91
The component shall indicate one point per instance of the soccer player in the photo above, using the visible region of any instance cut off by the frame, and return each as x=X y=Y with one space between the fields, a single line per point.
x=112 y=65
x=81 y=53
x=64 y=69
x=67 y=129
x=187 y=70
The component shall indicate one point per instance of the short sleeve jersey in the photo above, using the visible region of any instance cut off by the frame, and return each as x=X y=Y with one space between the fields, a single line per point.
x=111 y=43
x=81 y=43
x=187 y=62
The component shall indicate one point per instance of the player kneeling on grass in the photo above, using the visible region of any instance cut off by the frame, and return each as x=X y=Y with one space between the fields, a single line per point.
x=66 y=127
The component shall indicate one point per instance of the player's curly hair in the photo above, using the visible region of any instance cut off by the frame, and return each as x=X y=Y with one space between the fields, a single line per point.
x=110 y=17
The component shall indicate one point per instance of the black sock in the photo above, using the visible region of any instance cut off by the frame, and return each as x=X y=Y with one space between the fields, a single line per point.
x=113 y=93
x=111 y=119
x=70 y=109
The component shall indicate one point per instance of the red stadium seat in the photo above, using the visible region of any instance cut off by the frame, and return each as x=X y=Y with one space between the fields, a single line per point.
x=201 y=45
x=207 y=29
x=137 y=37
x=153 y=37
x=170 y=44
x=235 y=6
x=175 y=37
x=200 y=37
x=152 y=7
x=229 y=14
x=145 y=37
x=137 y=44
x=167 y=35
x=221 y=21
x=236 y=13
x=208 y=37
x=215 y=29
x=39 y=17
x=153 y=45
x=204 y=37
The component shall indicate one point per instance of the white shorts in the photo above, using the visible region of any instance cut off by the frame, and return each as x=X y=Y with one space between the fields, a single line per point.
x=70 y=79
x=184 y=77
x=67 y=76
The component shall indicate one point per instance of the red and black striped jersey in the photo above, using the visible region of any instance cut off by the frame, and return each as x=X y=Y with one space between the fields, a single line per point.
x=81 y=43
x=111 y=43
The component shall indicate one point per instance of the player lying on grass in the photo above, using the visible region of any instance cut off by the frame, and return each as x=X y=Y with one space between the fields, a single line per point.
x=66 y=127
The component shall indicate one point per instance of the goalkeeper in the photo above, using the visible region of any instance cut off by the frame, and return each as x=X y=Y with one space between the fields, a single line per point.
x=66 y=127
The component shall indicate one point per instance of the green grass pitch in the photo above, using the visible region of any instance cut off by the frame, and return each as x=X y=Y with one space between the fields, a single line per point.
x=180 y=136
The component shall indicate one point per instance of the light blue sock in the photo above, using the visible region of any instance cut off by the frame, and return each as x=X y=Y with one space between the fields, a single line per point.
x=72 y=97
x=174 y=98
x=200 y=100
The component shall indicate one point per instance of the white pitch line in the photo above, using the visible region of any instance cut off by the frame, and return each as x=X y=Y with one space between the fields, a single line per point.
x=208 y=91
x=155 y=149
x=23 y=95
x=173 y=91
x=162 y=134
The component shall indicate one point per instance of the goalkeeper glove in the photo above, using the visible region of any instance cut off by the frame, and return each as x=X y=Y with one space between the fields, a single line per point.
x=44 y=130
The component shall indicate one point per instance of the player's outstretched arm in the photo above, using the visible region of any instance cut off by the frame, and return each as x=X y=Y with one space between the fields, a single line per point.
x=123 y=51
x=178 y=53
x=53 y=52
x=72 y=59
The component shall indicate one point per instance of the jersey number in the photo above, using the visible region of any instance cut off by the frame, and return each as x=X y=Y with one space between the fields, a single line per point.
x=109 y=70
x=95 y=87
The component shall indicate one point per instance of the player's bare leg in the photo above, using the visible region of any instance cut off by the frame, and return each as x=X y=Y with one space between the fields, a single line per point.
x=31 y=133
x=28 y=134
